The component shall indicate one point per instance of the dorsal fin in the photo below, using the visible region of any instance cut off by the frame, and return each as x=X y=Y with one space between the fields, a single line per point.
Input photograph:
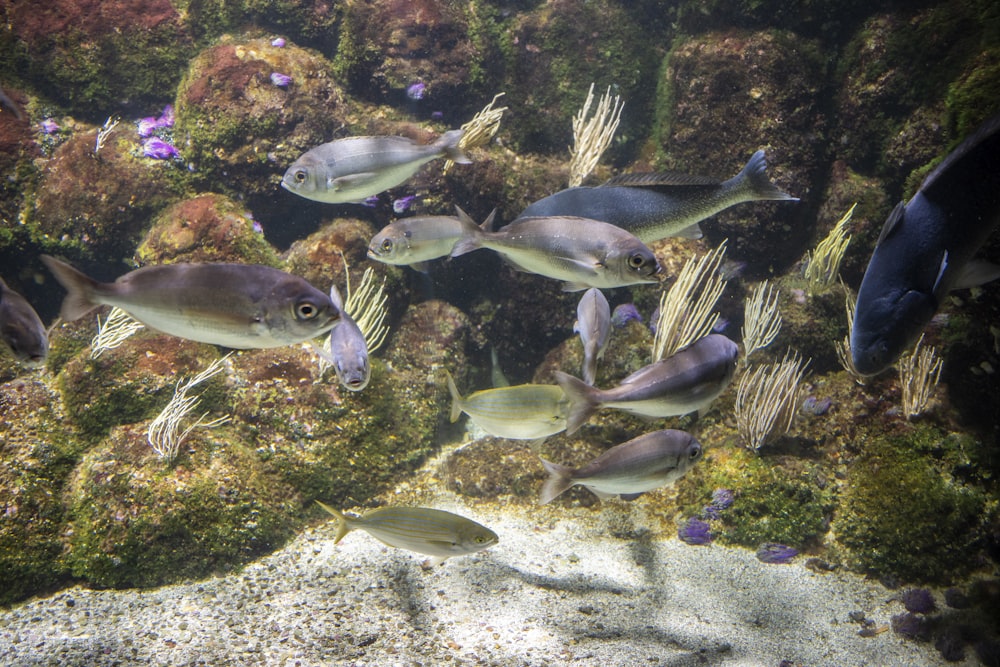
x=649 y=180
x=891 y=223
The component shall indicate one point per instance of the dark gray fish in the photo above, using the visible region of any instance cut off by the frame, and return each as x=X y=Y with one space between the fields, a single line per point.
x=684 y=382
x=593 y=323
x=655 y=206
x=926 y=249
x=352 y=169
x=642 y=464
x=21 y=330
x=348 y=348
x=583 y=253
x=242 y=306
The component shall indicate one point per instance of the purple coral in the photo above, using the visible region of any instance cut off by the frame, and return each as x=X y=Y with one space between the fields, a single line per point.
x=695 y=531
x=721 y=500
x=623 y=313
x=49 y=126
x=403 y=204
x=280 y=80
x=416 y=90
x=918 y=601
x=278 y=42
x=158 y=149
x=772 y=552
x=150 y=124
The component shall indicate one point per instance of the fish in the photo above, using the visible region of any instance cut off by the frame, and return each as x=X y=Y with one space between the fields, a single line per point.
x=7 y=101
x=427 y=531
x=350 y=170
x=416 y=241
x=348 y=348
x=581 y=252
x=593 y=323
x=655 y=206
x=684 y=382
x=242 y=306
x=21 y=330
x=926 y=249
x=630 y=469
x=520 y=412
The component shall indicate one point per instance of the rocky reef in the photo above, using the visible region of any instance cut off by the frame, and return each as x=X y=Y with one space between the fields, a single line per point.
x=851 y=103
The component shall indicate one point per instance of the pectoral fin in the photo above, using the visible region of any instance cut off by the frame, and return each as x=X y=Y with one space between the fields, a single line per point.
x=350 y=181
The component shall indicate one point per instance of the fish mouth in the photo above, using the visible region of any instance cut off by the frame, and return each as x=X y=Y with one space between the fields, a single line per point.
x=372 y=254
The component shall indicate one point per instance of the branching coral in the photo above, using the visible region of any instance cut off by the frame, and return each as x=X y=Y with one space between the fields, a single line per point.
x=591 y=137
x=684 y=317
x=767 y=399
x=114 y=331
x=844 y=347
x=919 y=374
x=823 y=266
x=164 y=434
x=761 y=319
x=366 y=306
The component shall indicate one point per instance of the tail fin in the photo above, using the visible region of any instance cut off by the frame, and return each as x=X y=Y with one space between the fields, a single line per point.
x=472 y=234
x=80 y=299
x=757 y=182
x=343 y=528
x=448 y=143
x=456 y=398
x=582 y=404
x=560 y=478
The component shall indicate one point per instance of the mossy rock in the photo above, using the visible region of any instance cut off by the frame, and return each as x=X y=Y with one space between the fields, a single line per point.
x=901 y=515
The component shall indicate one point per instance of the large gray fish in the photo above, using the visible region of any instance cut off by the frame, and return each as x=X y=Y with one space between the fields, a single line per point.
x=655 y=206
x=242 y=306
x=593 y=323
x=21 y=330
x=926 y=249
x=684 y=382
x=428 y=531
x=348 y=348
x=582 y=252
x=416 y=241
x=642 y=464
x=350 y=170
x=521 y=412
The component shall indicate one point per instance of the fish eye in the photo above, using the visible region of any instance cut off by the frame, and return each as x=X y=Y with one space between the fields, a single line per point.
x=387 y=245
x=695 y=452
x=636 y=261
x=300 y=176
x=306 y=311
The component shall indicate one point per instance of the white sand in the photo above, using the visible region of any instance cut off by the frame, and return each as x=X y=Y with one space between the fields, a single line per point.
x=548 y=594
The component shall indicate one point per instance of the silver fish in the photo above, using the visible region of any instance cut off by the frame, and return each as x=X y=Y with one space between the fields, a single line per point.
x=350 y=170
x=655 y=206
x=416 y=241
x=580 y=251
x=21 y=330
x=242 y=306
x=348 y=349
x=427 y=531
x=926 y=249
x=642 y=464
x=684 y=382
x=521 y=412
x=593 y=323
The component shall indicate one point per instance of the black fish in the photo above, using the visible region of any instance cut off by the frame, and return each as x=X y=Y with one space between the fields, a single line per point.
x=926 y=249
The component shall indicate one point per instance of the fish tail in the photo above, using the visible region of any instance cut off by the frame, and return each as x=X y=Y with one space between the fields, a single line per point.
x=343 y=528
x=472 y=234
x=448 y=143
x=754 y=178
x=456 y=397
x=80 y=299
x=560 y=478
x=582 y=405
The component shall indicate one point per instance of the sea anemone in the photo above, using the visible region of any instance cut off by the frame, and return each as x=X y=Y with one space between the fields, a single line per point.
x=280 y=80
x=623 y=313
x=695 y=531
x=911 y=626
x=772 y=552
x=158 y=149
x=918 y=600
x=278 y=42
x=416 y=90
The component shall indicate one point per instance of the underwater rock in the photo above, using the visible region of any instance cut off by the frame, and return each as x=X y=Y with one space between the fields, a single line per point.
x=320 y=257
x=18 y=150
x=918 y=600
x=37 y=453
x=97 y=206
x=491 y=467
x=206 y=228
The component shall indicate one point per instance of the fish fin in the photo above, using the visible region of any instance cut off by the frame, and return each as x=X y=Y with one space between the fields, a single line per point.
x=80 y=299
x=471 y=235
x=456 y=397
x=422 y=267
x=536 y=444
x=487 y=225
x=582 y=405
x=760 y=186
x=448 y=142
x=432 y=562
x=692 y=232
x=976 y=273
x=343 y=528
x=560 y=478
x=891 y=223
x=603 y=495
x=323 y=352
x=573 y=286
x=350 y=180
x=338 y=301
x=629 y=496
x=942 y=269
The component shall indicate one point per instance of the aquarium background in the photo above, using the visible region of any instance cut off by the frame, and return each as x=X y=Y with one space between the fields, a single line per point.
x=852 y=102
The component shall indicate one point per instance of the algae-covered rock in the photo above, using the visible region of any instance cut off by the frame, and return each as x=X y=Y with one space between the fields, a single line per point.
x=206 y=228
x=311 y=22
x=320 y=257
x=37 y=454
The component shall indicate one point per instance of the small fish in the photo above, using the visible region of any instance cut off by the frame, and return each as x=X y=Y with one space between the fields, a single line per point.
x=427 y=531
x=348 y=349
x=582 y=252
x=350 y=170
x=655 y=206
x=684 y=382
x=522 y=412
x=926 y=249
x=642 y=464
x=241 y=306
x=21 y=330
x=7 y=101
x=416 y=241
x=593 y=323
